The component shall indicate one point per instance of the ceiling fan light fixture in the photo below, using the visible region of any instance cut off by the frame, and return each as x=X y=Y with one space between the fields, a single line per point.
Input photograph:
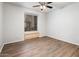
x=43 y=8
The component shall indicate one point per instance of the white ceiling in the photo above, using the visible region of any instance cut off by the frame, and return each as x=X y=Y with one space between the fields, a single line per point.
x=55 y=5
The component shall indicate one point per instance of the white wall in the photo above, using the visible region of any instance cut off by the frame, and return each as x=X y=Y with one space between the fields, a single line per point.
x=1 y=38
x=14 y=22
x=63 y=24
x=42 y=24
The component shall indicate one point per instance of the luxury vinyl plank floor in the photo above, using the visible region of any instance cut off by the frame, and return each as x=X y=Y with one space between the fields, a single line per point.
x=40 y=47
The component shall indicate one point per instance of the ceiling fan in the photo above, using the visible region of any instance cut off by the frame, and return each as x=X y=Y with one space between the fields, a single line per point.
x=43 y=5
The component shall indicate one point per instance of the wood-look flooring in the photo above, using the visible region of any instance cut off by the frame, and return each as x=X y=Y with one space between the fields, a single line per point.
x=41 y=47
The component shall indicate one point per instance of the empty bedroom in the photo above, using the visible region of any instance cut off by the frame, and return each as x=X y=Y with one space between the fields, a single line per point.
x=39 y=29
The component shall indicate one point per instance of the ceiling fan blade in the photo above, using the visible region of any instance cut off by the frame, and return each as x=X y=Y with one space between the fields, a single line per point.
x=49 y=6
x=40 y=2
x=36 y=6
x=49 y=2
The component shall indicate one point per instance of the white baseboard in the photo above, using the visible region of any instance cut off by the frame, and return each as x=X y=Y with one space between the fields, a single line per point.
x=13 y=41
x=62 y=39
x=1 y=47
